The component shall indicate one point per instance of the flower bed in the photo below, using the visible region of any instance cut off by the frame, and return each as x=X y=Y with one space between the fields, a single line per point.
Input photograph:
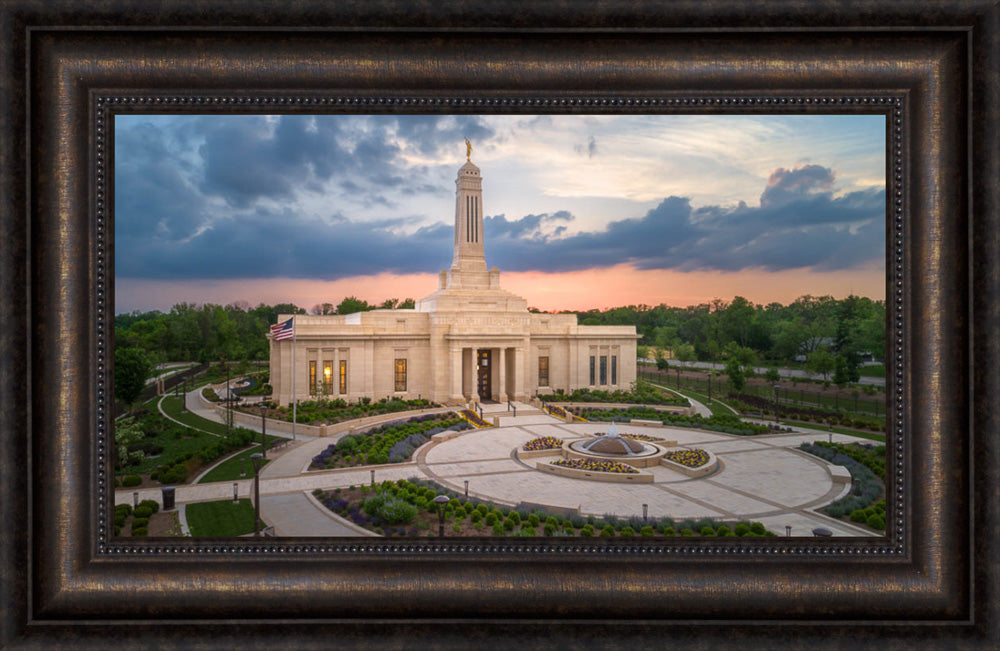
x=543 y=443
x=555 y=410
x=391 y=443
x=473 y=418
x=594 y=465
x=691 y=458
x=379 y=509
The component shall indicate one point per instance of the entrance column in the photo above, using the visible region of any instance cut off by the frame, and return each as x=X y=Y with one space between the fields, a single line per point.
x=456 y=375
x=519 y=373
x=472 y=357
x=501 y=368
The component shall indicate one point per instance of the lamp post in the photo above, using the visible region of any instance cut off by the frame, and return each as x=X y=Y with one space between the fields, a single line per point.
x=710 y=387
x=776 y=419
x=263 y=430
x=441 y=500
x=257 y=459
x=229 y=403
x=466 y=488
x=788 y=531
x=645 y=512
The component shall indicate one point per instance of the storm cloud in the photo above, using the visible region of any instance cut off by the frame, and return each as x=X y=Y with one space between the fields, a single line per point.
x=223 y=199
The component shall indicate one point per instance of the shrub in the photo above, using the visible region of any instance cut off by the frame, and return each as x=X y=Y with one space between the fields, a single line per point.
x=498 y=529
x=550 y=529
x=125 y=509
x=140 y=523
x=533 y=520
x=646 y=531
x=876 y=521
x=142 y=531
x=476 y=516
x=608 y=531
x=707 y=531
x=491 y=519
x=858 y=515
x=131 y=480
x=514 y=517
x=587 y=530
x=153 y=504
x=628 y=531
x=142 y=511
x=508 y=524
x=742 y=529
x=687 y=532
x=669 y=531
x=758 y=529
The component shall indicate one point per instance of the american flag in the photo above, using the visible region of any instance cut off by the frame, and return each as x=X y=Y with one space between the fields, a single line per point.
x=282 y=331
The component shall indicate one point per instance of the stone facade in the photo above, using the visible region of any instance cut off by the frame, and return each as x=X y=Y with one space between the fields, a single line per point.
x=470 y=340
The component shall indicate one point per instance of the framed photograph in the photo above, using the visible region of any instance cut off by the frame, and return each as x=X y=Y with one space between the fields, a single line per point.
x=91 y=93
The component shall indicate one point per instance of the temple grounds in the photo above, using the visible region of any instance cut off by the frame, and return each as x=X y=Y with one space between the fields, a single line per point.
x=762 y=478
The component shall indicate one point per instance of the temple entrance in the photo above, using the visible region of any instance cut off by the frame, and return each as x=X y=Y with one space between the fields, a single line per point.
x=484 y=378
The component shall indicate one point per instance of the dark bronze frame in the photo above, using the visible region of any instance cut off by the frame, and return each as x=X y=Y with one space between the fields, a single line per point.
x=64 y=66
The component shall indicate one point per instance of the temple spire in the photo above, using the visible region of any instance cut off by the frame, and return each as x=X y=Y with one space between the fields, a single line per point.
x=469 y=253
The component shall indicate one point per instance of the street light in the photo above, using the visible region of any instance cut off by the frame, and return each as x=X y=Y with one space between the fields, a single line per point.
x=263 y=430
x=788 y=530
x=466 y=488
x=257 y=459
x=776 y=419
x=441 y=500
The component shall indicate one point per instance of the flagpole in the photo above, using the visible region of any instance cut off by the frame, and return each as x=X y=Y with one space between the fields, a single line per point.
x=295 y=403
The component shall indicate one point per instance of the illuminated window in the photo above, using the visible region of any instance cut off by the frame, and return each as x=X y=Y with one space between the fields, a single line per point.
x=343 y=376
x=327 y=377
x=400 y=375
x=543 y=371
x=312 y=378
x=604 y=369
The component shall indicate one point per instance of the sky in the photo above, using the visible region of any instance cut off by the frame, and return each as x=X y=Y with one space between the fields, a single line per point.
x=581 y=211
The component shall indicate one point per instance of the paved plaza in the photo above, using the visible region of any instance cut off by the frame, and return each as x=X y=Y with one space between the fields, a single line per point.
x=763 y=478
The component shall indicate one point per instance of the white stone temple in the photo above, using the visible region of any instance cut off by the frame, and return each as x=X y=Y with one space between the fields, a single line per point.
x=467 y=342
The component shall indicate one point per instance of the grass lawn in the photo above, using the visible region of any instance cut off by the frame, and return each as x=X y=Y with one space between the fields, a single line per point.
x=172 y=406
x=872 y=371
x=224 y=518
x=717 y=406
x=230 y=469
x=871 y=436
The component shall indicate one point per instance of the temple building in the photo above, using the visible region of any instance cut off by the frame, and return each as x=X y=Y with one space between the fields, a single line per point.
x=469 y=341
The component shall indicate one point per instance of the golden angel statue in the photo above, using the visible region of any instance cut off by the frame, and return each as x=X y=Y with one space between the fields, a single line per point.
x=468 y=149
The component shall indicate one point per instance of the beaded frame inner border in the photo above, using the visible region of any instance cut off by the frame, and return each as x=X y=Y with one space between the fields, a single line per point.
x=105 y=106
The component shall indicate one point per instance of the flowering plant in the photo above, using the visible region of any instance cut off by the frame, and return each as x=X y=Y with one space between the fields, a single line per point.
x=473 y=418
x=543 y=443
x=595 y=465
x=694 y=458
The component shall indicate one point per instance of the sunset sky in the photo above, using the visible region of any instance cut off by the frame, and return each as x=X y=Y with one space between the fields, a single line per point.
x=581 y=211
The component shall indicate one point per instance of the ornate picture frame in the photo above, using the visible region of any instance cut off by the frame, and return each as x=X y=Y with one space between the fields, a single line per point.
x=67 y=68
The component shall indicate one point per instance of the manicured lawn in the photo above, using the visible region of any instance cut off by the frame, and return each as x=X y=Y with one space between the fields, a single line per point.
x=230 y=469
x=872 y=371
x=172 y=406
x=224 y=518
x=871 y=436
x=716 y=406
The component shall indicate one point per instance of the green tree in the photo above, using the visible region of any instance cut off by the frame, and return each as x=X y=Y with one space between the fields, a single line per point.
x=772 y=374
x=661 y=361
x=821 y=362
x=407 y=304
x=127 y=432
x=684 y=353
x=734 y=370
x=841 y=371
x=132 y=369
x=352 y=304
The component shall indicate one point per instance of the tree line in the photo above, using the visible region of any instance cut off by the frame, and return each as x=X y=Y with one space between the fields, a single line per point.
x=826 y=330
